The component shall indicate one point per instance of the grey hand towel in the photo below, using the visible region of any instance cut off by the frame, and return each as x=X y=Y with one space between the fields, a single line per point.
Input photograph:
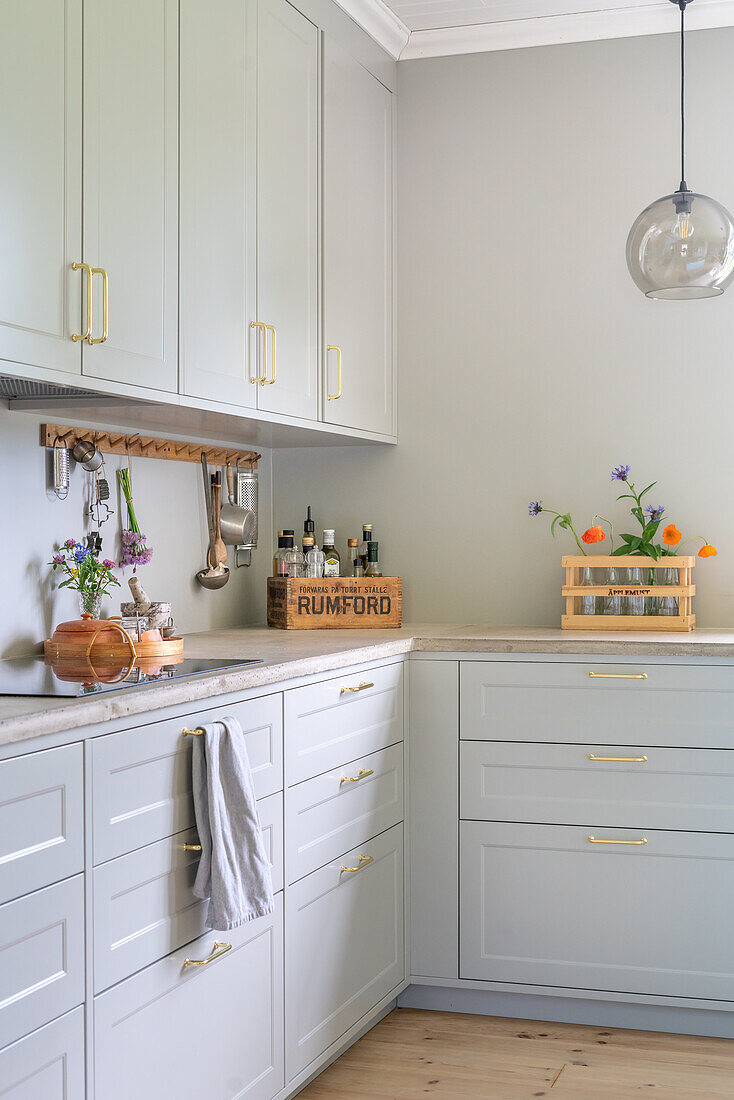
x=234 y=870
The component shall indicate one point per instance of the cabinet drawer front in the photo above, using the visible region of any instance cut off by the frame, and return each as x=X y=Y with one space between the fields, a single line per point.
x=679 y=706
x=144 y=905
x=328 y=724
x=47 y=1065
x=41 y=957
x=213 y=1031
x=624 y=786
x=344 y=943
x=41 y=819
x=142 y=777
x=541 y=905
x=333 y=812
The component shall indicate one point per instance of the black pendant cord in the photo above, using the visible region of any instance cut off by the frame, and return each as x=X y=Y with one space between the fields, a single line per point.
x=683 y=184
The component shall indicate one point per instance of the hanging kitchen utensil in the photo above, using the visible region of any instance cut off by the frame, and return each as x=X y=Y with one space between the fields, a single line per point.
x=237 y=524
x=216 y=574
x=61 y=470
x=87 y=455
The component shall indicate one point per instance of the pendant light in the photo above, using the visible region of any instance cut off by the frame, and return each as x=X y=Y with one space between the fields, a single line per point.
x=682 y=245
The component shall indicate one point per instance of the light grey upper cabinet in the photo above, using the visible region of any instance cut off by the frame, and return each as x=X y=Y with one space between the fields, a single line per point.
x=217 y=195
x=287 y=207
x=358 y=245
x=131 y=190
x=249 y=205
x=40 y=197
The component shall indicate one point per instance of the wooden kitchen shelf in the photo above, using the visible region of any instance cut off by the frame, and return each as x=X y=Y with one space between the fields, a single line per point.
x=146 y=446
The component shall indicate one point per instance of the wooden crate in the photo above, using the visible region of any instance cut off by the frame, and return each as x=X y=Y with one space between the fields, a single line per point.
x=339 y=603
x=573 y=591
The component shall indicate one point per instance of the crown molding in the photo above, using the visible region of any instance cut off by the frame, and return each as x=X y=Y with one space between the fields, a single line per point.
x=380 y=22
x=514 y=34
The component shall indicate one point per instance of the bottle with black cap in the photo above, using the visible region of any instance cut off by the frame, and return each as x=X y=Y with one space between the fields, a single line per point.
x=309 y=527
x=373 y=566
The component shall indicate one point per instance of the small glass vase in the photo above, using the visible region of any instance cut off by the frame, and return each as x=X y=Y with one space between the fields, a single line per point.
x=632 y=605
x=90 y=603
x=669 y=605
x=612 y=603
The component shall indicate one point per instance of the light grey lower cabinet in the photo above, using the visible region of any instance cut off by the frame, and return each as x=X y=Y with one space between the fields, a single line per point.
x=48 y=1064
x=212 y=1031
x=41 y=958
x=544 y=905
x=344 y=945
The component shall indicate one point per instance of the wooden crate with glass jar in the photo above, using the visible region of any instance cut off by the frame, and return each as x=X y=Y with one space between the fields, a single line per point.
x=628 y=593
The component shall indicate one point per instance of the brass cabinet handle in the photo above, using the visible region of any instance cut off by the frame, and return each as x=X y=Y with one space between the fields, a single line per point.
x=337 y=395
x=594 y=840
x=192 y=733
x=192 y=847
x=105 y=306
x=79 y=266
x=361 y=774
x=219 y=950
x=269 y=381
x=264 y=351
x=619 y=759
x=362 y=686
x=363 y=861
x=618 y=675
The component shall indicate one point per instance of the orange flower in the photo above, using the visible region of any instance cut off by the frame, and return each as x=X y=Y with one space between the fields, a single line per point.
x=708 y=551
x=671 y=535
x=594 y=534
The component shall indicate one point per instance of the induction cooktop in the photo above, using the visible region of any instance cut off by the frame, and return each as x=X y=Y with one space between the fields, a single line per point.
x=31 y=676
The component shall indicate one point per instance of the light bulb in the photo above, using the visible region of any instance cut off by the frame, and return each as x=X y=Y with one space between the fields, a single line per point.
x=684 y=226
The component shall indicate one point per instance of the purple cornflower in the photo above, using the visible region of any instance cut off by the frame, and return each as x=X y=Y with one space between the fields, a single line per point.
x=620 y=473
x=535 y=507
x=655 y=512
x=80 y=552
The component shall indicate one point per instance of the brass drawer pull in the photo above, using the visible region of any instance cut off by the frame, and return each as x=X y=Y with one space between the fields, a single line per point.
x=363 y=861
x=618 y=675
x=105 y=306
x=593 y=840
x=363 y=685
x=219 y=950
x=78 y=265
x=192 y=733
x=619 y=759
x=338 y=350
x=264 y=350
x=361 y=774
x=192 y=847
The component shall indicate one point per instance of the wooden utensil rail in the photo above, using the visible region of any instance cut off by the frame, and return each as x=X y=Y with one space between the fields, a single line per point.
x=146 y=446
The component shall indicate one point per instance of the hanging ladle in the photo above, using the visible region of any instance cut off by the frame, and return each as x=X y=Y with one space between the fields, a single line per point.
x=216 y=574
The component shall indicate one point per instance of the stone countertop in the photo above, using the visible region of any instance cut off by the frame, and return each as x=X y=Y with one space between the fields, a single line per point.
x=287 y=655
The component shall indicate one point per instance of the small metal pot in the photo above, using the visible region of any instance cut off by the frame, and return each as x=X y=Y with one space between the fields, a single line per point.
x=238 y=525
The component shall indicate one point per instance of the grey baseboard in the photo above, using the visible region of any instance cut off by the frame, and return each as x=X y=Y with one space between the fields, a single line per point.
x=597 y=1013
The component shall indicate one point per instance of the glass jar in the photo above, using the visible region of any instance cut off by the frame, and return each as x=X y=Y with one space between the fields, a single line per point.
x=90 y=603
x=135 y=625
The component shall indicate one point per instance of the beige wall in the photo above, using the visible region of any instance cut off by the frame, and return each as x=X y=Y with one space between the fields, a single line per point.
x=169 y=501
x=529 y=362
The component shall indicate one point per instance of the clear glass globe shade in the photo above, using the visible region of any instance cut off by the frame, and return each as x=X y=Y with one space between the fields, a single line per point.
x=677 y=254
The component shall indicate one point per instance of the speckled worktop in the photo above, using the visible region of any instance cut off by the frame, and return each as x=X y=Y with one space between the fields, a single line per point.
x=290 y=654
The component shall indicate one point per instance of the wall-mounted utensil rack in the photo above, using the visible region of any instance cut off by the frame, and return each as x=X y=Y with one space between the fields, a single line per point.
x=146 y=446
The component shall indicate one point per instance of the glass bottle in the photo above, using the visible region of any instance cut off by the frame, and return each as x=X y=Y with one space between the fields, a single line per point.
x=669 y=605
x=314 y=557
x=366 y=539
x=353 y=555
x=280 y=568
x=632 y=605
x=588 y=605
x=373 y=566
x=275 y=555
x=332 y=560
x=612 y=603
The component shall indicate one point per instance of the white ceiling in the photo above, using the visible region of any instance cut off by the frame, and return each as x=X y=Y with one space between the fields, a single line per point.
x=430 y=28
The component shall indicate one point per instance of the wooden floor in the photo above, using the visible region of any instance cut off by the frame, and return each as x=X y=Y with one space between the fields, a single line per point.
x=411 y=1055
